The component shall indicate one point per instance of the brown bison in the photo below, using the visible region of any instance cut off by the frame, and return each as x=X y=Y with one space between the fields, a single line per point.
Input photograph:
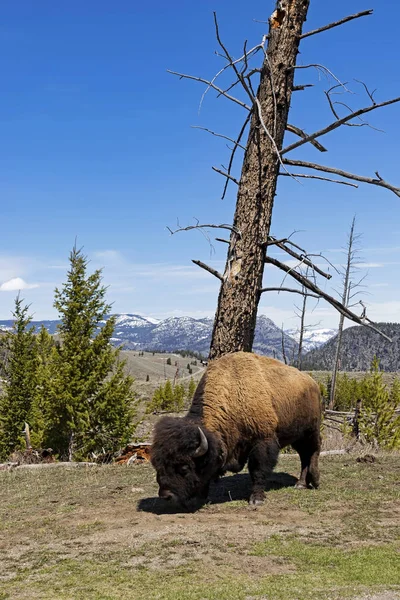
x=245 y=409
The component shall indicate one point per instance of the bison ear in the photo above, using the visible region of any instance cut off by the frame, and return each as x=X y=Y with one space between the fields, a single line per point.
x=203 y=447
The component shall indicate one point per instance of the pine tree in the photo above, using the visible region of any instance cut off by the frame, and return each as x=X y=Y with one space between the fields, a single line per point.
x=45 y=389
x=179 y=397
x=191 y=388
x=20 y=380
x=378 y=421
x=168 y=396
x=91 y=408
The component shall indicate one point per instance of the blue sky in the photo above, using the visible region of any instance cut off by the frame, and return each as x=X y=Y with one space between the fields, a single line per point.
x=97 y=144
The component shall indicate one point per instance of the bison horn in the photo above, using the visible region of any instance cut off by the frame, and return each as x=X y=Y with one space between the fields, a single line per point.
x=202 y=449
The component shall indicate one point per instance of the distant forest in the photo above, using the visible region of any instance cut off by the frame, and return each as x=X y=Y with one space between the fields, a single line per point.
x=359 y=346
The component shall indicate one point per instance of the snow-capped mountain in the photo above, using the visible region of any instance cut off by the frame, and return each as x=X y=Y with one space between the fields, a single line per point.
x=137 y=332
x=312 y=338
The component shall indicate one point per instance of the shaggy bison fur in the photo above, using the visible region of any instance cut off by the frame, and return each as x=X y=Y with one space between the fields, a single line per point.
x=245 y=409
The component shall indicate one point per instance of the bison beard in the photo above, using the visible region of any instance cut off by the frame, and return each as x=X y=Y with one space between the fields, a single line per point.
x=245 y=409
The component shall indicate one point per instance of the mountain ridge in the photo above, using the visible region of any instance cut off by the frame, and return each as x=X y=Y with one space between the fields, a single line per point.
x=359 y=346
x=137 y=332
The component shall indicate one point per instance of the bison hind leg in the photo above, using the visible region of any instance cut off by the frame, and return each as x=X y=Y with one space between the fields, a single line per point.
x=262 y=460
x=309 y=448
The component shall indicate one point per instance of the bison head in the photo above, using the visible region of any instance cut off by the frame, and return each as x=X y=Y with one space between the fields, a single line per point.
x=185 y=456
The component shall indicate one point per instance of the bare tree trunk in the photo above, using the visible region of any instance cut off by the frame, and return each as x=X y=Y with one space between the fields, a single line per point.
x=239 y=295
x=345 y=302
x=283 y=346
x=302 y=319
x=336 y=364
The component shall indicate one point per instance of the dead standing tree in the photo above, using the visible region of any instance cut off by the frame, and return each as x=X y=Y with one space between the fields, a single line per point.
x=264 y=160
x=351 y=289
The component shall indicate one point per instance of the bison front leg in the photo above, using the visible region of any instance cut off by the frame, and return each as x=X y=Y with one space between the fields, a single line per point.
x=262 y=460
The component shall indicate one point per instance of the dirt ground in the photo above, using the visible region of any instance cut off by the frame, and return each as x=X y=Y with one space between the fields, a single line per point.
x=102 y=533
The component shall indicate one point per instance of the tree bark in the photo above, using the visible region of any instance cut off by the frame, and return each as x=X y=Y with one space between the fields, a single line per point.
x=235 y=320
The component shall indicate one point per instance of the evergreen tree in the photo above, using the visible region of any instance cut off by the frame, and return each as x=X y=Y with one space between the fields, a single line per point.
x=45 y=389
x=179 y=397
x=168 y=396
x=92 y=398
x=20 y=380
x=378 y=421
x=191 y=389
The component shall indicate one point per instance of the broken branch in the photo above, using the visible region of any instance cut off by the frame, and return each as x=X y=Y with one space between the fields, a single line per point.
x=209 y=83
x=378 y=181
x=202 y=226
x=321 y=178
x=284 y=289
x=364 y=13
x=209 y=269
x=225 y=174
x=299 y=132
x=225 y=137
x=300 y=88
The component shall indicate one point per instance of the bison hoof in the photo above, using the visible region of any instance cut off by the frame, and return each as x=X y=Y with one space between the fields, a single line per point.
x=300 y=486
x=256 y=500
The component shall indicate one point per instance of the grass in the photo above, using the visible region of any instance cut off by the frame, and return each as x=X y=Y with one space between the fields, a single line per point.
x=100 y=533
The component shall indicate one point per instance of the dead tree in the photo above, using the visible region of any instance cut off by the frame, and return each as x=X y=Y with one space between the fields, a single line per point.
x=303 y=328
x=351 y=289
x=265 y=158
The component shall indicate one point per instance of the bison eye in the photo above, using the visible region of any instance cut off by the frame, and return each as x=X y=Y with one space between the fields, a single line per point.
x=184 y=470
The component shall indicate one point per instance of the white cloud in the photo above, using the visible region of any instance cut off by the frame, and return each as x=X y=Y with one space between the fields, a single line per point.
x=16 y=284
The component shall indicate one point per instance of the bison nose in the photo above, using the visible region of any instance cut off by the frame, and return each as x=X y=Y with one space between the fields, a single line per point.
x=165 y=494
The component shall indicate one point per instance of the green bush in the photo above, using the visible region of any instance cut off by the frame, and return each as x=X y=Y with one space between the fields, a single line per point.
x=168 y=398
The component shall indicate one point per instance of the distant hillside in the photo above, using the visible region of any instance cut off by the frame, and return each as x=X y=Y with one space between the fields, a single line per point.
x=359 y=345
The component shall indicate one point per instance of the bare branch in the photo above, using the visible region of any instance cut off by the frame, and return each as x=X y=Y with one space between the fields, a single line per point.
x=226 y=175
x=302 y=134
x=321 y=68
x=215 y=87
x=274 y=242
x=209 y=269
x=222 y=240
x=300 y=88
x=337 y=124
x=321 y=178
x=225 y=137
x=301 y=257
x=237 y=143
x=284 y=289
x=316 y=290
x=211 y=226
x=370 y=94
x=378 y=181
x=364 y=13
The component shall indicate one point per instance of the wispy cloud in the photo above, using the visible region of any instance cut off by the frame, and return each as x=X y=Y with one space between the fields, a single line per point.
x=16 y=284
x=369 y=265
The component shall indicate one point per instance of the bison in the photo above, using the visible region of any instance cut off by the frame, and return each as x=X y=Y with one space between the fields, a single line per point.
x=245 y=409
